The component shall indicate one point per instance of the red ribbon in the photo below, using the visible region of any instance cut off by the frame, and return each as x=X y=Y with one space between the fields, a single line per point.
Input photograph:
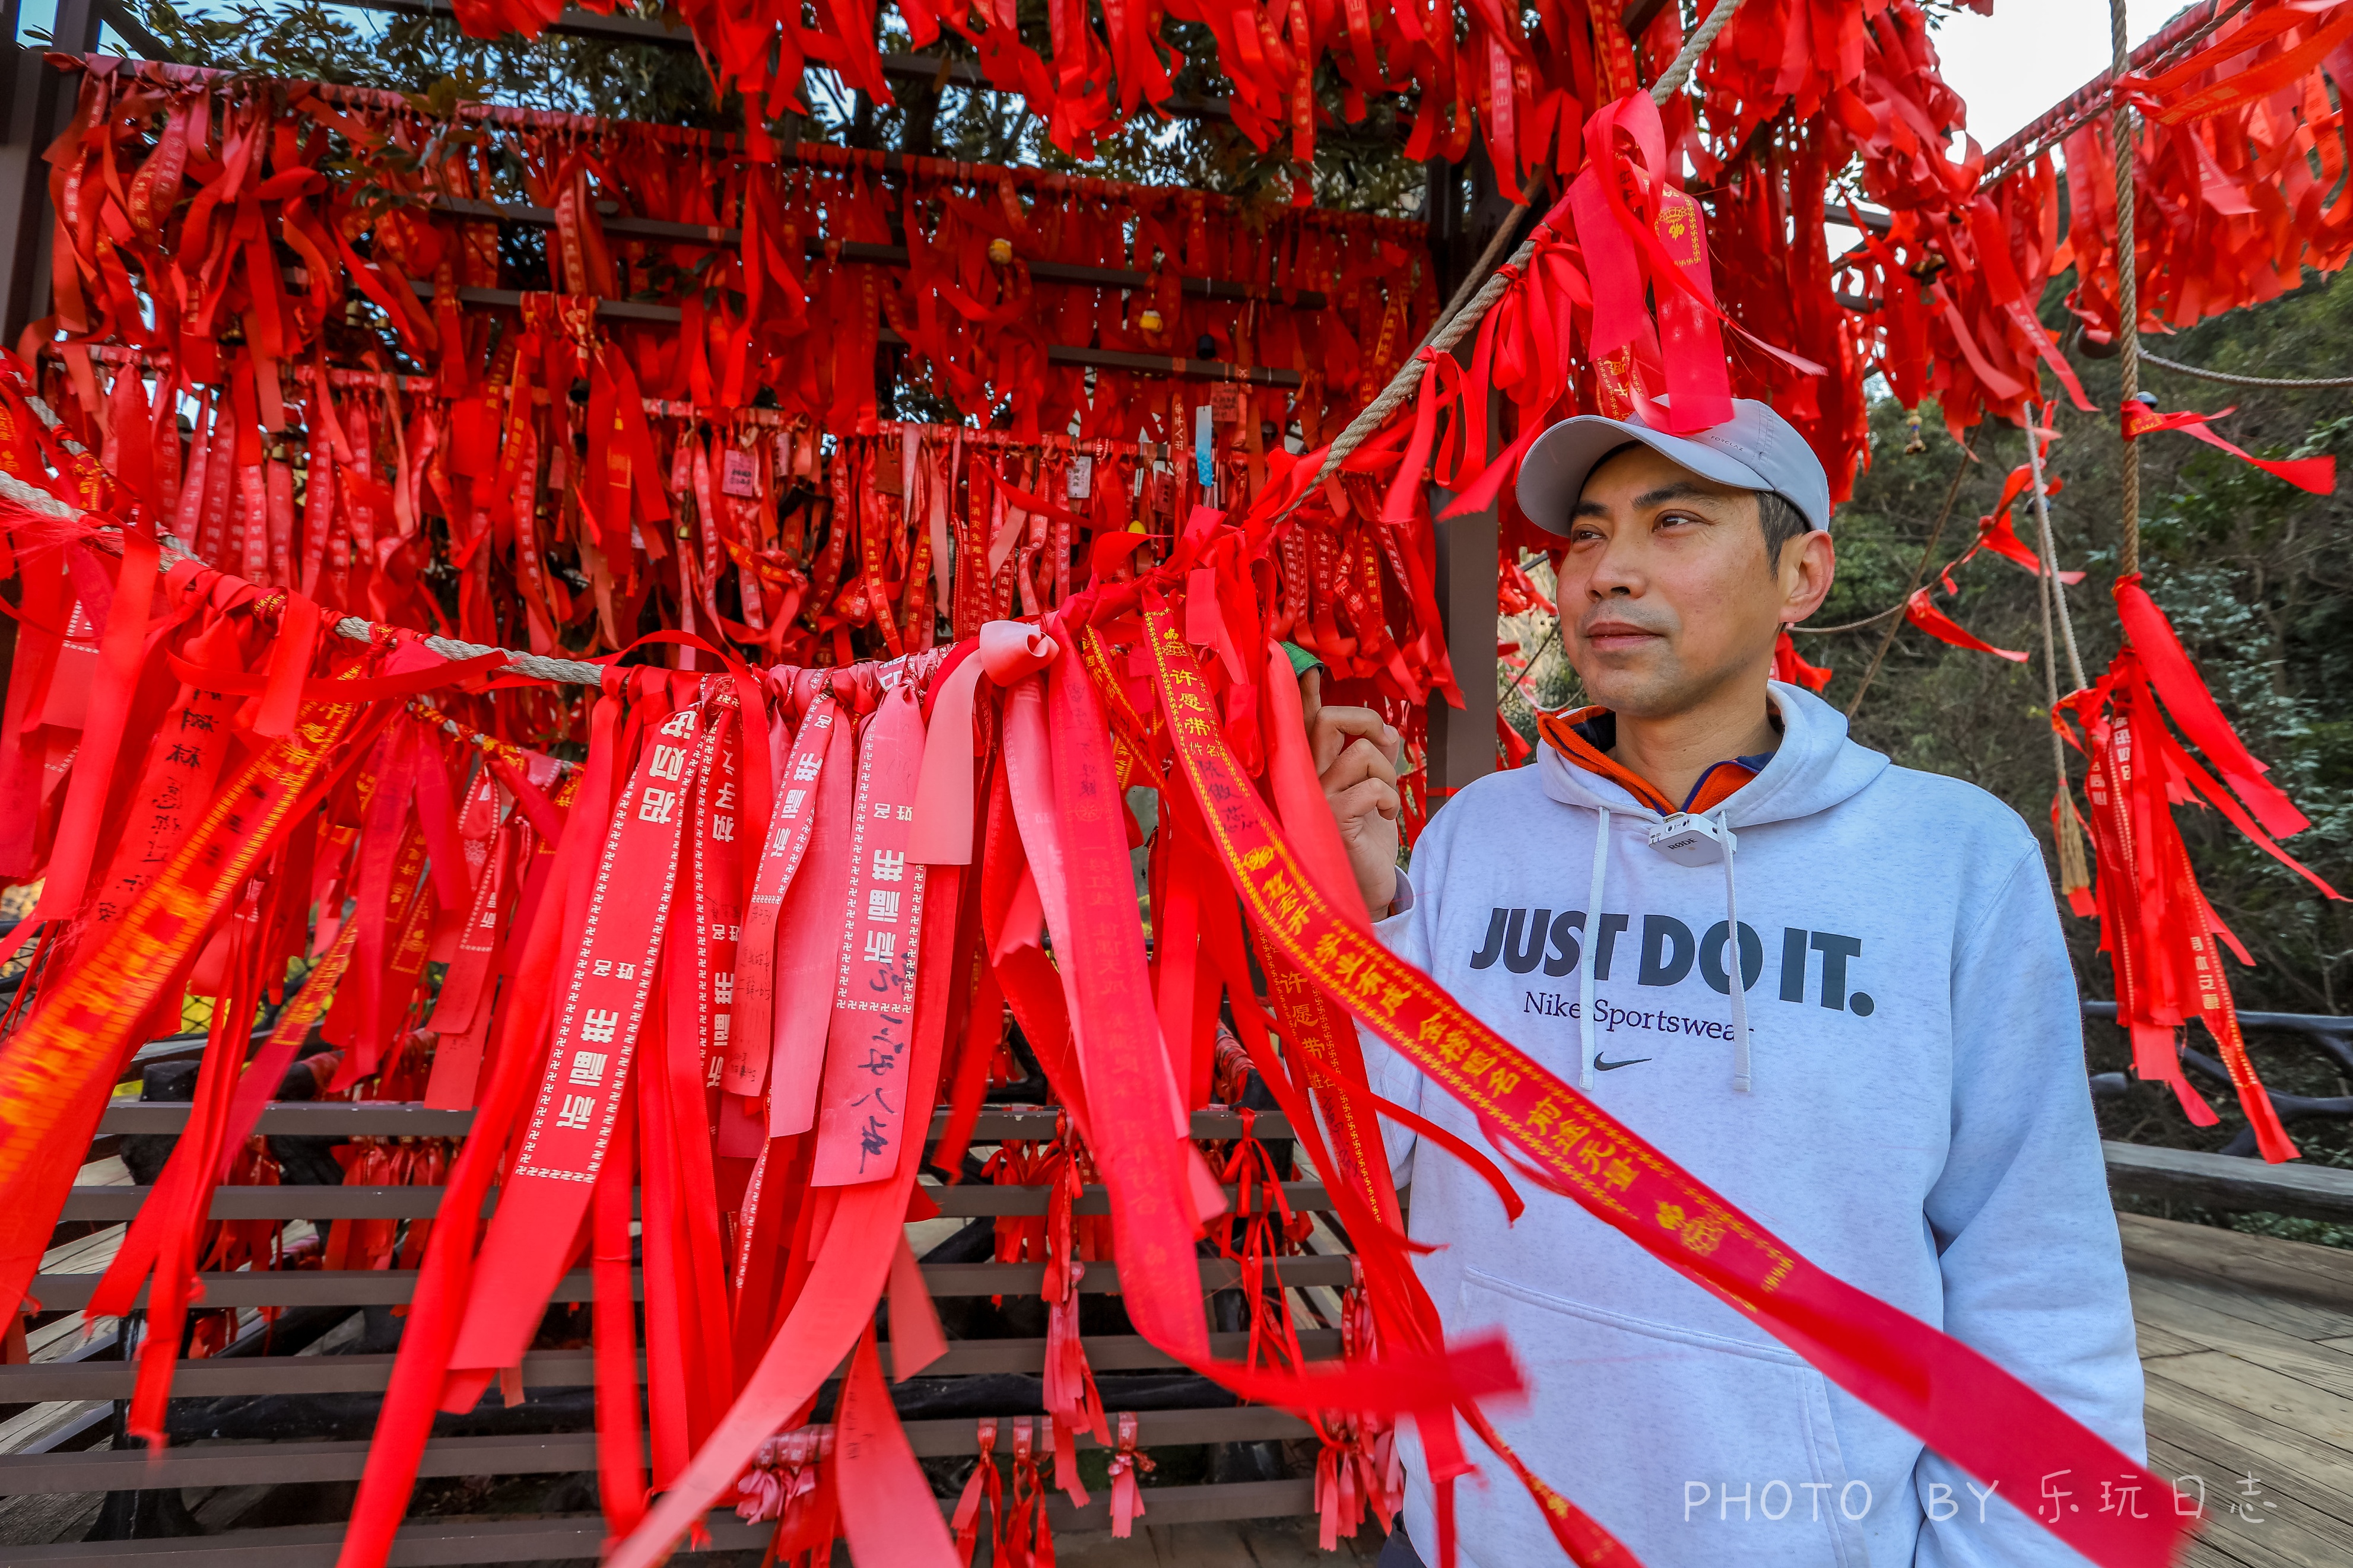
x=2317 y=475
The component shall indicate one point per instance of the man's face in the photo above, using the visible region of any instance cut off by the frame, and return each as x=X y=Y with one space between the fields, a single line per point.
x=1666 y=594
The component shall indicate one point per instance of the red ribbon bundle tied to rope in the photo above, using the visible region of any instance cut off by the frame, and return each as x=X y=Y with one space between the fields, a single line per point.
x=2141 y=417
x=936 y=841
x=2238 y=168
x=2238 y=163
x=689 y=504
x=574 y=466
x=2163 y=939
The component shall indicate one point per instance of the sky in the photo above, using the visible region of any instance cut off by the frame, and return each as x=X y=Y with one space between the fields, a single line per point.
x=2025 y=57
x=2012 y=66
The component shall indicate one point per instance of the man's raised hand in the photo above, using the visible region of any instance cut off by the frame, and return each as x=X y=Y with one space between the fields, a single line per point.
x=1356 y=754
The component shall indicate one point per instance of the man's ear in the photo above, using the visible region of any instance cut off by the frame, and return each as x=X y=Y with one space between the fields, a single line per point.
x=1808 y=565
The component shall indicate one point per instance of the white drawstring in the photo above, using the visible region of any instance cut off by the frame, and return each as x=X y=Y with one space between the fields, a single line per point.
x=1592 y=943
x=1695 y=841
x=1735 y=966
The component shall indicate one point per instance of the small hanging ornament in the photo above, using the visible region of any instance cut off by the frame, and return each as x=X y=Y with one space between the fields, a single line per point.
x=1126 y=1486
x=1000 y=251
x=1149 y=321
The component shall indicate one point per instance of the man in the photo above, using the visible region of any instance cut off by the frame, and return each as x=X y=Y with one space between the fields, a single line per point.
x=1896 y=1088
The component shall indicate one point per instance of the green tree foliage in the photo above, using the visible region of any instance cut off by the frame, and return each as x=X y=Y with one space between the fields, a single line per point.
x=1359 y=167
x=307 y=41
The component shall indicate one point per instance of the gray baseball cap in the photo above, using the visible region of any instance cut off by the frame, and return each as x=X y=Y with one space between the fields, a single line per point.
x=1755 y=449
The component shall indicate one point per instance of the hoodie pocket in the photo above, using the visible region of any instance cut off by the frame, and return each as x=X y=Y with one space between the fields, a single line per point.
x=1692 y=1448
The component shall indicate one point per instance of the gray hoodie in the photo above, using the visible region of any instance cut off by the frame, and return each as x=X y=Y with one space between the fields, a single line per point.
x=1916 y=1121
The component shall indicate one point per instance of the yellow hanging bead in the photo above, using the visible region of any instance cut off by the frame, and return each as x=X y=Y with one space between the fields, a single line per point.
x=1000 y=251
x=1149 y=321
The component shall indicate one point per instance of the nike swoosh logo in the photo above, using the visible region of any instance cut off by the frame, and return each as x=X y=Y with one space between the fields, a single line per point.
x=1606 y=1064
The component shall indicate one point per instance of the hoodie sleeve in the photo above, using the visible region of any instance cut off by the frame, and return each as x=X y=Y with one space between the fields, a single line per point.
x=2024 y=1229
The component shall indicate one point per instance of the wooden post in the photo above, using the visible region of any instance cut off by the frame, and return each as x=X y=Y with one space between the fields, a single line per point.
x=1462 y=740
x=40 y=103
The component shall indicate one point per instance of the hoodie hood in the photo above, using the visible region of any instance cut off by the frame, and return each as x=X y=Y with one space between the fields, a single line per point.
x=1815 y=768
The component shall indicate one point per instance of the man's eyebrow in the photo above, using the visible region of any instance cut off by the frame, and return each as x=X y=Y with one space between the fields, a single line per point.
x=1678 y=489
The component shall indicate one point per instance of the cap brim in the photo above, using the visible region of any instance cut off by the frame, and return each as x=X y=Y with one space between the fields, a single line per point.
x=1552 y=476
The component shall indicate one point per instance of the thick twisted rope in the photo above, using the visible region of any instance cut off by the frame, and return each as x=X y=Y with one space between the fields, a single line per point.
x=1462 y=315
x=563 y=671
x=2066 y=829
x=2057 y=595
x=2120 y=135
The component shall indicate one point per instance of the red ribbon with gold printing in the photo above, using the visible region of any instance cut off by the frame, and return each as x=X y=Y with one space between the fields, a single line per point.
x=1952 y=1397
x=50 y=1068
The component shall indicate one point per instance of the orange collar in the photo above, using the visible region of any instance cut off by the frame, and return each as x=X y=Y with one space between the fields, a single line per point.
x=1581 y=737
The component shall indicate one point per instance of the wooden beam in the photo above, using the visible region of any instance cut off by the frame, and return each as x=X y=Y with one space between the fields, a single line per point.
x=407 y=1118
x=1462 y=740
x=2230 y=1182
x=131 y=30
x=581 y=1537
x=663 y=32
x=667 y=31
x=930 y=68
x=2092 y=98
x=858 y=251
x=284 y=1463
x=299 y=1119
x=1462 y=747
x=397 y=1287
x=236 y=1376
x=967 y=1200
x=1057 y=354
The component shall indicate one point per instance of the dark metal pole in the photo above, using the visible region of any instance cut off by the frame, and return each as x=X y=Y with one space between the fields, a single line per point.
x=1462 y=740
x=40 y=100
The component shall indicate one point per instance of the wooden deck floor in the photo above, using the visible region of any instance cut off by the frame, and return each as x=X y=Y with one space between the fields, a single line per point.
x=2248 y=1346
